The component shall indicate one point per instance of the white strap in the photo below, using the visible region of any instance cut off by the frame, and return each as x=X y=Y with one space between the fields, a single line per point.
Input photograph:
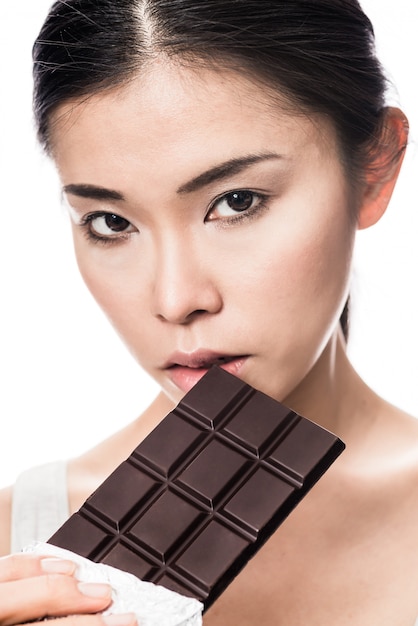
x=39 y=504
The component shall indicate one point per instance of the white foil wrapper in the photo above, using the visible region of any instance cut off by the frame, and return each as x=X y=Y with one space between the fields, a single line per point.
x=152 y=604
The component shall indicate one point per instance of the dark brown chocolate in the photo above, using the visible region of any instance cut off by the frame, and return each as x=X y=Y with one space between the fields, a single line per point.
x=204 y=491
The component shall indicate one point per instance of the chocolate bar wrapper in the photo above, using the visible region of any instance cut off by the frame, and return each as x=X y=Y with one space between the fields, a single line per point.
x=153 y=605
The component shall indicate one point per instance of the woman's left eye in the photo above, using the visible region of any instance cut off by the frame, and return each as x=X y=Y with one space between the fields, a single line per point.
x=235 y=203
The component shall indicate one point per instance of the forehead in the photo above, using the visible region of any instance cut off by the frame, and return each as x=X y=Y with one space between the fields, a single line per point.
x=172 y=115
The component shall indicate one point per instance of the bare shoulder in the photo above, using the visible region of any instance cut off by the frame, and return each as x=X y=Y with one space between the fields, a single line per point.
x=406 y=435
x=5 y=519
x=400 y=430
x=385 y=460
x=383 y=435
x=381 y=458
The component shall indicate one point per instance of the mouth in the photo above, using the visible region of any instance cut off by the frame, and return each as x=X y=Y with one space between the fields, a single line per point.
x=185 y=370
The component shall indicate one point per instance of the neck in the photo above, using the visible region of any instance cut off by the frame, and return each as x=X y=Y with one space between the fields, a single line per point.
x=332 y=394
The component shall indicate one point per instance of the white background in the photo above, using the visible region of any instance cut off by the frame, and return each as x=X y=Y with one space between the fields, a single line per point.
x=66 y=381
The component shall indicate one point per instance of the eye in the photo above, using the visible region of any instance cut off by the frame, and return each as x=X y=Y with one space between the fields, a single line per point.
x=108 y=225
x=235 y=202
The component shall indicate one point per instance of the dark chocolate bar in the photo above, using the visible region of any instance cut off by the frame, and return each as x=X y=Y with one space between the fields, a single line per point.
x=204 y=491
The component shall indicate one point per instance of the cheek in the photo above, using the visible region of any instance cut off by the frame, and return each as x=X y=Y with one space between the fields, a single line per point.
x=113 y=283
x=302 y=270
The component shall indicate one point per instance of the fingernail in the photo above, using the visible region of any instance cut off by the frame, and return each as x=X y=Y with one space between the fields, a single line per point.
x=127 y=619
x=57 y=566
x=95 y=590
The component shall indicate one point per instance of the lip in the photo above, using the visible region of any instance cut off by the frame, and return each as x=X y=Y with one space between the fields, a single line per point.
x=185 y=370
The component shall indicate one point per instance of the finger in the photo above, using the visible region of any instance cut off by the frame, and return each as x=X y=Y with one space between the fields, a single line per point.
x=125 y=619
x=54 y=595
x=17 y=566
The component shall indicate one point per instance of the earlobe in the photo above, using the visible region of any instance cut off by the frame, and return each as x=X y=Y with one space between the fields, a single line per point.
x=384 y=168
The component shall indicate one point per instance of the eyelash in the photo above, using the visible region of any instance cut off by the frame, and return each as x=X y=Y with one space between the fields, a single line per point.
x=246 y=215
x=85 y=225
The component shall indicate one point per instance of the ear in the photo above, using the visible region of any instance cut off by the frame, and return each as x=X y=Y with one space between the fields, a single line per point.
x=384 y=168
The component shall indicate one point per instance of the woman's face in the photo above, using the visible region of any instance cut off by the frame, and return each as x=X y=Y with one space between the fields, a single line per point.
x=210 y=224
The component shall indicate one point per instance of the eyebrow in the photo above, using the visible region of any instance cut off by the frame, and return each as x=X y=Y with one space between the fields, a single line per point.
x=93 y=192
x=219 y=172
x=225 y=170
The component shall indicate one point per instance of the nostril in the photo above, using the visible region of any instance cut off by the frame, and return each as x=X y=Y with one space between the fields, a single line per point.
x=182 y=319
x=194 y=314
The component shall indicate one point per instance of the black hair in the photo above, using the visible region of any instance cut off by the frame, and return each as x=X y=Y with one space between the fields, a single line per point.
x=319 y=54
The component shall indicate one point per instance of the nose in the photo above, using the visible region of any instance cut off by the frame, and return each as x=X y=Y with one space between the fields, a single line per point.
x=184 y=285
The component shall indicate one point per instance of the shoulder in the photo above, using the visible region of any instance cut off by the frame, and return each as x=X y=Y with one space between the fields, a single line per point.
x=384 y=438
x=5 y=519
x=400 y=432
x=381 y=458
x=385 y=464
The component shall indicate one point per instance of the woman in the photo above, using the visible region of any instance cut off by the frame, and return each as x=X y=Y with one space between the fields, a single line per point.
x=217 y=159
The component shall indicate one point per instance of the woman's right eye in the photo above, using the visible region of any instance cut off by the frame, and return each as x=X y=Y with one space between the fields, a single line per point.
x=107 y=226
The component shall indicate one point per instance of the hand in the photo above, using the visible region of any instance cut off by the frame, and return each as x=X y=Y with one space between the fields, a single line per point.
x=33 y=587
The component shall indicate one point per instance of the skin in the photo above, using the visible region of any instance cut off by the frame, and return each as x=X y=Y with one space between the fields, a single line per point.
x=147 y=283
x=185 y=280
